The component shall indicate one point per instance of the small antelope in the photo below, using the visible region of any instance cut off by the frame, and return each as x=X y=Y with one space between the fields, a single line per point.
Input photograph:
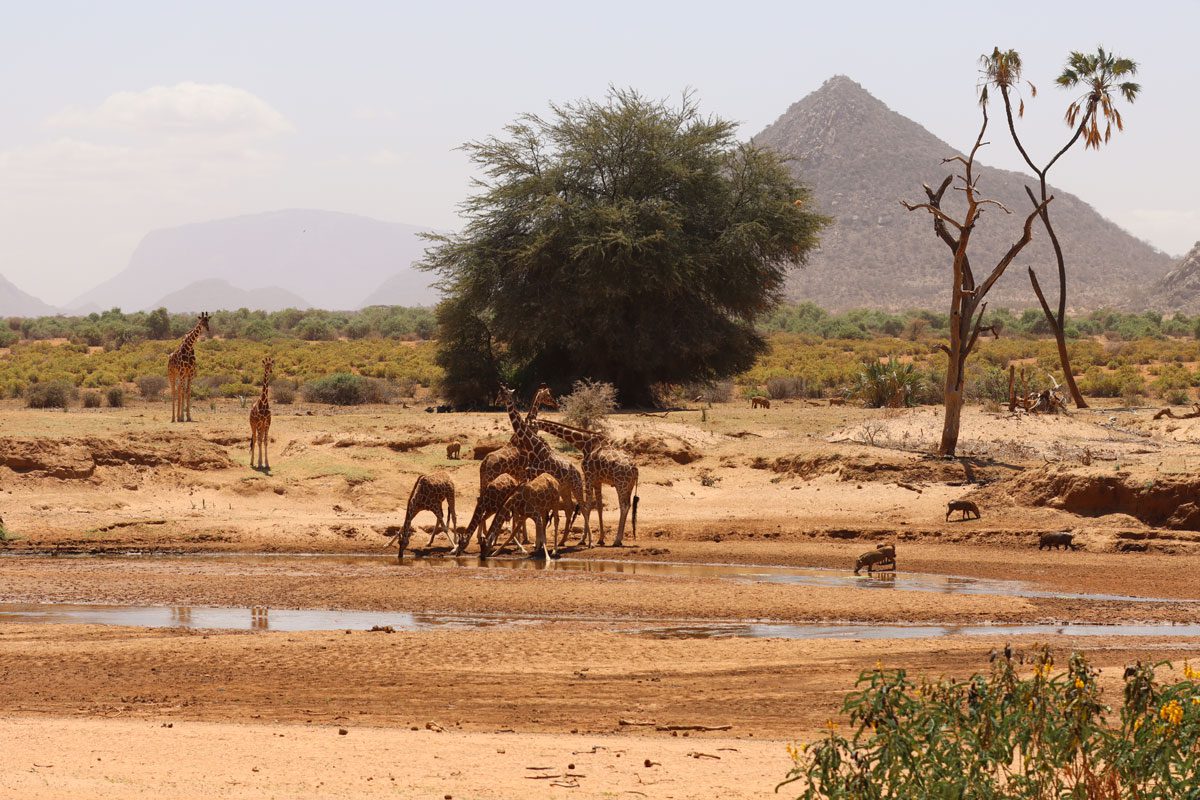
x=760 y=402
x=454 y=450
x=965 y=506
x=882 y=557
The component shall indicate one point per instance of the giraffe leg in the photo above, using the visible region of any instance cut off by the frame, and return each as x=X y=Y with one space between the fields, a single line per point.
x=437 y=527
x=600 y=512
x=187 y=396
x=623 y=499
x=174 y=396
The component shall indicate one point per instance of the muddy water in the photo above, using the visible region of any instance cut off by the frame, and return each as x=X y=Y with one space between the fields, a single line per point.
x=746 y=573
x=270 y=619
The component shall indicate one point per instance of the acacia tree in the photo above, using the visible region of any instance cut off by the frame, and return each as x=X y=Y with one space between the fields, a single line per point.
x=627 y=240
x=1101 y=74
x=967 y=296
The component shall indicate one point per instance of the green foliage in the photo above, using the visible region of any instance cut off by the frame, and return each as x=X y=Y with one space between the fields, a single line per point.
x=344 y=389
x=628 y=239
x=91 y=399
x=889 y=384
x=987 y=382
x=1004 y=736
x=115 y=396
x=51 y=394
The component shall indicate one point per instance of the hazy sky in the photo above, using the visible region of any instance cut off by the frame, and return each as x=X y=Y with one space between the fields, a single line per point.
x=120 y=117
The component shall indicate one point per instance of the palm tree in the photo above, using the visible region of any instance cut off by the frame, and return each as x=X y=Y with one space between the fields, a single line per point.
x=1102 y=75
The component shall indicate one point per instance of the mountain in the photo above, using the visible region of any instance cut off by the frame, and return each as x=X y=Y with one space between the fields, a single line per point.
x=1179 y=289
x=335 y=259
x=218 y=295
x=861 y=159
x=15 y=303
x=402 y=289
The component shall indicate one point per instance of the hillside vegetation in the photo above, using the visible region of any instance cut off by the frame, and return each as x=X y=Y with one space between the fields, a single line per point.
x=812 y=353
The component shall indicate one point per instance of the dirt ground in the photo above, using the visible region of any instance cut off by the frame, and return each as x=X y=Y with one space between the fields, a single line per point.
x=465 y=711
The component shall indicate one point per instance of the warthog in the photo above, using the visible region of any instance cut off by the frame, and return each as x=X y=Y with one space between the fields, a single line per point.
x=837 y=401
x=760 y=402
x=454 y=450
x=882 y=557
x=965 y=506
x=1054 y=541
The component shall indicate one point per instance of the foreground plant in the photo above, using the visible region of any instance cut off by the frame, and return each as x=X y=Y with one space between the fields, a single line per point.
x=1005 y=736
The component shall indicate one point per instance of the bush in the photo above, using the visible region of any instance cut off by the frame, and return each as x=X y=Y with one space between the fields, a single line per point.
x=1007 y=737
x=707 y=391
x=51 y=394
x=91 y=399
x=589 y=404
x=889 y=384
x=8 y=337
x=987 y=383
x=116 y=397
x=786 y=387
x=151 y=386
x=345 y=389
x=283 y=392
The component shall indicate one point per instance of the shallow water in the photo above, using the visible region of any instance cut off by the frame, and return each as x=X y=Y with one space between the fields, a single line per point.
x=294 y=620
x=747 y=573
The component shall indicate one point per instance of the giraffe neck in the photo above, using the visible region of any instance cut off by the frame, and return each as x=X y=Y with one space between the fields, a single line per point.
x=266 y=388
x=190 y=338
x=584 y=440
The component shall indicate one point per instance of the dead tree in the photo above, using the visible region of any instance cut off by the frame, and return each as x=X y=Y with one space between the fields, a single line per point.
x=1100 y=74
x=967 y=304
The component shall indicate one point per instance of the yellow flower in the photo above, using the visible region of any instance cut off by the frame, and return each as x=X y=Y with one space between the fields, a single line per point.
x=1196 y=701
x=1172 y=713
x=1079 y=683
x=829 y=724
x=1137 y=724
x=1189 y=673
x=793 y=751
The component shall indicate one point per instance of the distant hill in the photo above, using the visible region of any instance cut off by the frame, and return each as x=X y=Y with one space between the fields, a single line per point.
x=218 y=295
x=1179 y=289
x=402 y=289
x=333 y=259
x=16 y=303
x=860 y=158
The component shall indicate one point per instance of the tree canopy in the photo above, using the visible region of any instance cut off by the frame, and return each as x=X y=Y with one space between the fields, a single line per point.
x=627 y=240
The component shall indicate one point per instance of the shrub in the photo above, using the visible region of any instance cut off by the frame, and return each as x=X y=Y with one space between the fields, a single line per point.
x=987 y=382
x=345 y=389
x=151 y=386
x=786 y=387
x=315 y=330
x=51 y=394
x=8 y=337
x=116 y=397
x=589 y=404
x=889 y=384
x=91 y=399
x=707 y=391
x=1003 y=736
x=283 y=392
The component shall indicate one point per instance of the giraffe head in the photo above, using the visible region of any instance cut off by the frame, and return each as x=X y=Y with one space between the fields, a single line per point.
x=203 y=322
x=268 y=366
x=504 y=396
x=544 y=397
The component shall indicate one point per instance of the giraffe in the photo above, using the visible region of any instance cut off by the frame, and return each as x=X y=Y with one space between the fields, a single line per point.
x=260 y=419
x=540 y=458
x=181 y=368
x=602 y=464
x=509 y=459
x=491 y=502
x=538 y=499
x=428 y=494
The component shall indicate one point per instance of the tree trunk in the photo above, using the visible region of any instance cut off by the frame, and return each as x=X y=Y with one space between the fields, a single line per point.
x=952 y=418
x=1060 y=336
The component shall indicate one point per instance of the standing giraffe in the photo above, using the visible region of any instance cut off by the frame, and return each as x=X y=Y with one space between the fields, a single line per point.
x=538 y=499
x=540 y=458
x=509 y=460
x=602 y=464
x=181 y=368
x=260 y=420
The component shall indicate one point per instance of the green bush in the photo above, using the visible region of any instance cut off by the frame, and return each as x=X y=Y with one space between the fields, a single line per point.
x=889 y=384
x=51 y=394
x=116 y=397
x=589 y=404
x=8 y=337
x=1005 y=736
x=283 y=392
x=345 y=389
x=986 y=382
x=91 y=399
